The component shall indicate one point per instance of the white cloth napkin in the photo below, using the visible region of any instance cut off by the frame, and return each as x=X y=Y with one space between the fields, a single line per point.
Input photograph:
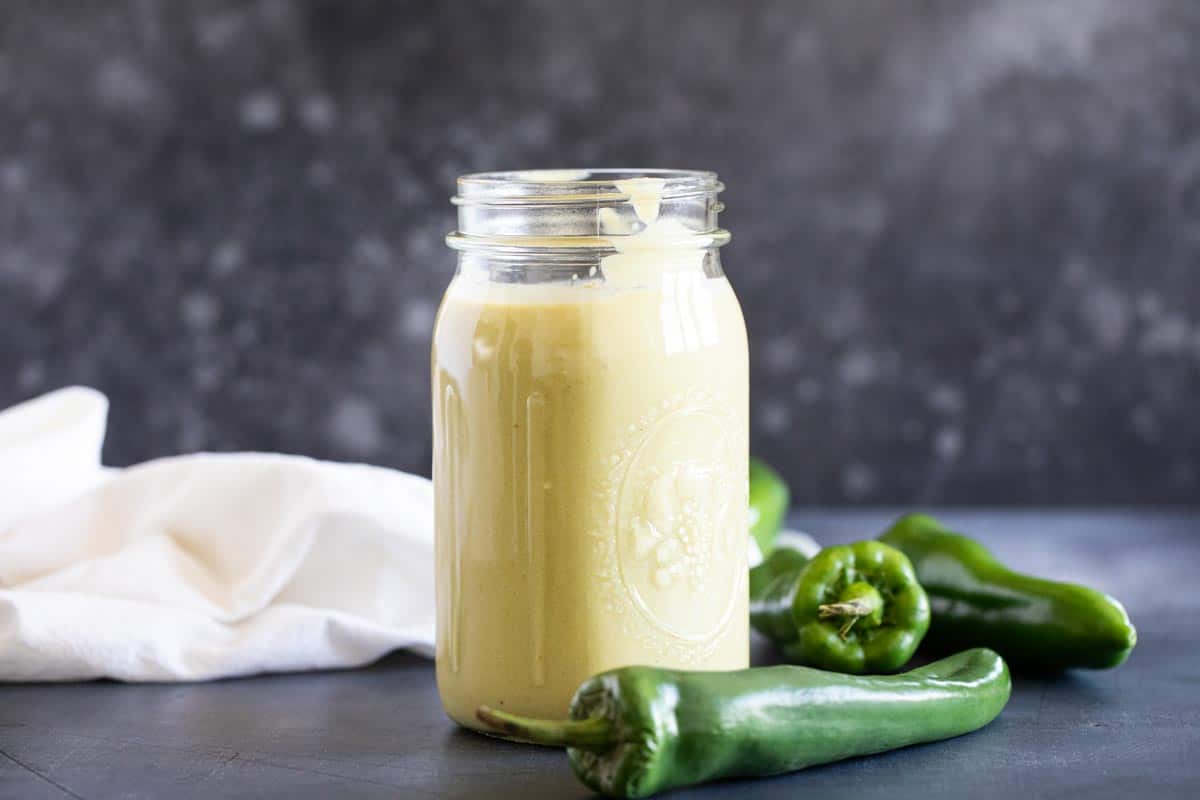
x=200 y=566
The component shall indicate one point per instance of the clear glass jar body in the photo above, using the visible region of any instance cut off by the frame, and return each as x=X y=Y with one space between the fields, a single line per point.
x=590 y=419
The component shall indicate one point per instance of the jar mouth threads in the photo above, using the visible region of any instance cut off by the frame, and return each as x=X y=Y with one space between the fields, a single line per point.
x=566 y=186
x=587 y=208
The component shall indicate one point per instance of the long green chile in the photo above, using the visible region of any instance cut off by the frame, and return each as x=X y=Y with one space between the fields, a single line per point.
x=1033 y=622
x=637 y=731
x=769 y=500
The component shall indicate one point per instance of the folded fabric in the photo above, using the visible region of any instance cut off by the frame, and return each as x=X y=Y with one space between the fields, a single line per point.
x=201 y=566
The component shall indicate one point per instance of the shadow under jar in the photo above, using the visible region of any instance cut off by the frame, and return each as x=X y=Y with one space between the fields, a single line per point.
x=590 y=393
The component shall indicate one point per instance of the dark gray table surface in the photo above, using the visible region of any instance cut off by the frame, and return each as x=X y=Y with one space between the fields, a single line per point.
x=379 y=732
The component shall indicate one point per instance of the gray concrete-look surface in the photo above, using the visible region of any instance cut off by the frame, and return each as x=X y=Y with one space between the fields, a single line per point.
x=380 y=732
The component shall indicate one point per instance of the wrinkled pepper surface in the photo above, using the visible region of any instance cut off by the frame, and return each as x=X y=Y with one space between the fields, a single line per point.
x=977 y=601
x=854 y=608
x=637 y=731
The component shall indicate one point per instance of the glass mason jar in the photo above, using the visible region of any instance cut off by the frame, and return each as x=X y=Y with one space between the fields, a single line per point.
x=590 y=437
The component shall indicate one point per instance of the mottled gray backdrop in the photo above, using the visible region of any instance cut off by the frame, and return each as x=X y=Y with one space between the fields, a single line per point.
x=966 y=234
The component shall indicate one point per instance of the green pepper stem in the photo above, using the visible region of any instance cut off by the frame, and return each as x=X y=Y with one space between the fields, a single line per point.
x=851 y=610
x=848 y=608
x=594 y=733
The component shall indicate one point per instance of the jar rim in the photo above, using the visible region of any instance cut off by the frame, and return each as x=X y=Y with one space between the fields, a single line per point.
x=538 y=187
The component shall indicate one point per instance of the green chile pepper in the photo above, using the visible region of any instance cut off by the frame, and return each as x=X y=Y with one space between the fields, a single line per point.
x=977 y=601
x=769 y=500
x=854 y=608
x=781 y=561
x=636 y=731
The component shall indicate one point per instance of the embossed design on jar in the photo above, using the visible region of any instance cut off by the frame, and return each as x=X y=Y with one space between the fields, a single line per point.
x=672 y=523
x=676 y=515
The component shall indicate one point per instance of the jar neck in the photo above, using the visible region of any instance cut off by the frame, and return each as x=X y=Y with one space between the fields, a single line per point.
x=582 y=267
x=564 y=215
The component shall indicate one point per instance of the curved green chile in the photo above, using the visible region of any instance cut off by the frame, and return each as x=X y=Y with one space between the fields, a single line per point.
x=854 y=608
x=1035 y=623
x=769 y=500
x=781 y=561
x=637 y=731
